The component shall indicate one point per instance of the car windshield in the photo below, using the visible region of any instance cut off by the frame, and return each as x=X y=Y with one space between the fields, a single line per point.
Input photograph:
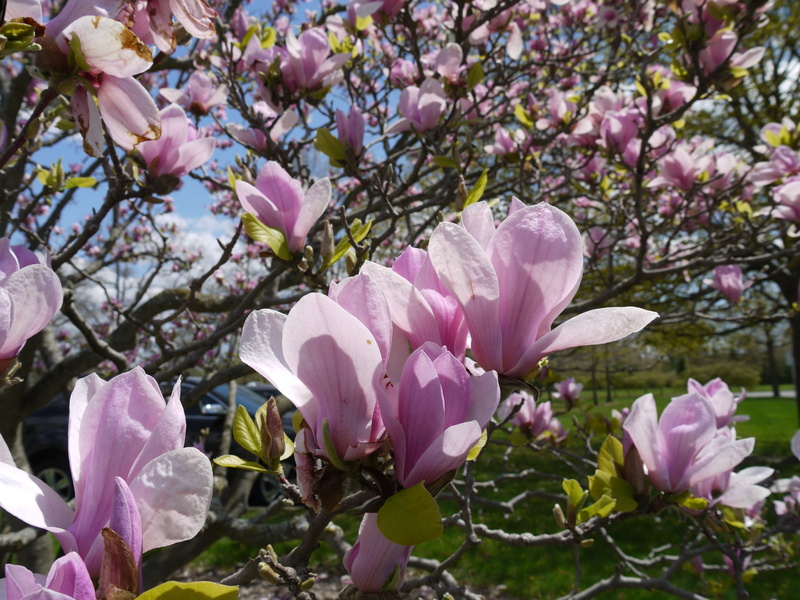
x=247 y=398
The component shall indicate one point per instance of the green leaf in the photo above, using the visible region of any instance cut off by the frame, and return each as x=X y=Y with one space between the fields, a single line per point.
x=358 y=230
x=268 y=38
x=601 y=508
x=245 y=431
x=445 y=162
x=80 y=182
x=522 y=116
x=610 y=456
x=687 y=500
x=573 y=491
x=236 y=462
x=475 y=75
x=476 y=449
x=76 y=58
x=476 y=193
x=272 y=237
x=197 y=590
x=330 y=146
x=410 y=517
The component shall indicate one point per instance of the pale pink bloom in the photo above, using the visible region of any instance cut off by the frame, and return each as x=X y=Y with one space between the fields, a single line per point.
x=178 y=150
x=375 y=564
x=421 y=107
x=329 y=364
x=448 y=62
x=274 y=124
x=721 y=399
x=118 y=429
x=436 y=414
x=787 y=197
x=568 y=390
x=350 y=129
x=514 y=281
x=306 y=63
x=392 y=8
x=682 y=448
x=199 y=94
x=67 y=579
x=784 y=162
x=679 y=169
x=153 y=21
x=504 y=143
x=534 y=419
x=30 y=295
x=114 y=55
x=278 y=200
x=18 y=9
x=597 y=243
x=403 y=72
x=729 y=282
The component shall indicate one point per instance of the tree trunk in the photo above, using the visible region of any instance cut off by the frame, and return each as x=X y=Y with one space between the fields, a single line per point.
x=795 y=323
x=772 y=372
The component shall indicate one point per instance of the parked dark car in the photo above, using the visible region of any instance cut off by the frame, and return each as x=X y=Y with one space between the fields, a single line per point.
x=45 y=434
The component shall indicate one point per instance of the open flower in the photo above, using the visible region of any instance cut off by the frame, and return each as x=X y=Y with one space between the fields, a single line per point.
x=118 y=429
x=329 y=365
x=514 y=281
x=278 y=201
x=30 y=295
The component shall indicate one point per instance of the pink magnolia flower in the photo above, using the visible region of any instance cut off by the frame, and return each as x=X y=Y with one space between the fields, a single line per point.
x=178 y=150
x=306 y=65
x=448 y=62
x=729 y=282
x=30 y=295
x=68 y=578
x=533 y=419
x=721 y=400
x=418 y=303
x=350 y=129
x=153 y=21
x=199 y=94
x=118 y=429
x=114 y=55
x=274 y=124
x=421 y=107
x=787 y=197
x=436 y=414
x=278 y=200
x=375 y=564
x=682 y=448
x=679 y=169
x=329 y=364
x=514 y=281
x=568 y=390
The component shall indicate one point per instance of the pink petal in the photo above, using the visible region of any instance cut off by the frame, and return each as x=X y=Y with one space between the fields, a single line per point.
x=88 y=121
x=173 y=493
x=128 y=111
x=31 y=501
x=598 y=326
x=69 y=576
x=37 y=295
x=465 y=270
x=312 y=207
x=446 y=452
x=261 y=347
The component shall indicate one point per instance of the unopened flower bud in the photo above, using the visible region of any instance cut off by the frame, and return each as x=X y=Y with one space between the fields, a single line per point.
x=558 y=515
x=119 y=577
x=272 y=442
x=327 y=246
x=634 y=472
x=268 y=573
x=587 y=543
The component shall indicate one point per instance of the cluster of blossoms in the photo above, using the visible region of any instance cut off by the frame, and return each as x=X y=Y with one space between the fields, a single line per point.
x=693 y=447
x=382 y=358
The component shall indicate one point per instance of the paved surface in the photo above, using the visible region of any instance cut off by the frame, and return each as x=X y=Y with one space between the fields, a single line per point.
x=784 y=394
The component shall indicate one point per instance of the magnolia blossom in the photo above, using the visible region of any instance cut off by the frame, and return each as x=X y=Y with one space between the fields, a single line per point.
x=514 y=281
x=278 y=201
x=533 y=419
x=30 y=295
x=68 y=578
x=306 y=63
x=199 y=94
x=421 y=107
x=436 y=415
x=153 y=21
x=350 y=129
x=178 y=150
x=375 y=564
x=683 y=449
x=113 y=55
x=568 y=390
x=729 y=282
x=721 y=399
x=329 y=364
x=118 y=430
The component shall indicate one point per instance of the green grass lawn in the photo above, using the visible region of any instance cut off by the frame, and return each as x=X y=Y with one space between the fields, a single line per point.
x=548 y=572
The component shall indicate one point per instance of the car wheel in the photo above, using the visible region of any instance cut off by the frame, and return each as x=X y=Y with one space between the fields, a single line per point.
x=55 y=472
